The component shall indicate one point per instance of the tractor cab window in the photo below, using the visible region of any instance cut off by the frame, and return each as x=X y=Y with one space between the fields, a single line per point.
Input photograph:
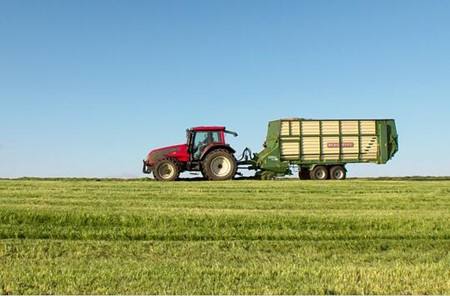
x=202 y=140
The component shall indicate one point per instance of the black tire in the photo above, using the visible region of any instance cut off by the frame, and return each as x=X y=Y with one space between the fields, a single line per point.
x=304 y=174
x=338 y=172
x=220 y=165
x=166 y=170
x=203 y=172
x=320 y=172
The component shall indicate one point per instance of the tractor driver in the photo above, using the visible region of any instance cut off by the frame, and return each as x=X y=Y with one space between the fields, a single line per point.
x=202 y=140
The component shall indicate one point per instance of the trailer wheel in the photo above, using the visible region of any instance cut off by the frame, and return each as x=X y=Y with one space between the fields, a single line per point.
x=338 y=172
x=304 y=174
x=166 y=170
x=219 y=165
x=320 y=172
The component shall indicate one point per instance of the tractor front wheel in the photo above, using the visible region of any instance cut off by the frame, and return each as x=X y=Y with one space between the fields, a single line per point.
x=166 y=170
x=219 y=165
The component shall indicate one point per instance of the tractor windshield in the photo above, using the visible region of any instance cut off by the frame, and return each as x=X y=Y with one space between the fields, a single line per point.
x=202 y=140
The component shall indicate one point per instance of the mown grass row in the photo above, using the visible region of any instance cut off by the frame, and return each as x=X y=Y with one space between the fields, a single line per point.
x=222 y=267
x=216 y=226
x=276 y=195
x=242 y=237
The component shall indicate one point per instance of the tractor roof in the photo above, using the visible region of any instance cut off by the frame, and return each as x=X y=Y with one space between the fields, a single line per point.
x=208 y=128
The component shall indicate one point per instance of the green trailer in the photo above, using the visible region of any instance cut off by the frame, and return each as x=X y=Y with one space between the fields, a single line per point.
x=322 y=148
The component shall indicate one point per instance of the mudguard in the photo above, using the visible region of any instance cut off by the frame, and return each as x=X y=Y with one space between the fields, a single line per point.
x=211 y=147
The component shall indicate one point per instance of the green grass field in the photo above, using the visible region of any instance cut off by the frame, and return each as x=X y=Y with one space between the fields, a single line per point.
x=245 y=237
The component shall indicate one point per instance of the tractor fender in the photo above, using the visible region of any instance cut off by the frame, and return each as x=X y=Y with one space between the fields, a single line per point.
x=212 y=147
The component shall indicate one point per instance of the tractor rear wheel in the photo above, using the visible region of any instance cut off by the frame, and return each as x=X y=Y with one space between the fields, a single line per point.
x=219 y=165
x=166 y=170
x=338 y=172
x=320 y=172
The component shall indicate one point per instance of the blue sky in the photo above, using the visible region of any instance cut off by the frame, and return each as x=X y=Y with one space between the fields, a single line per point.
x=88 y=87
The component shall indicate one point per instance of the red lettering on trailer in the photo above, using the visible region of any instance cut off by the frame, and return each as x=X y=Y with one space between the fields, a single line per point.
x=343 y=145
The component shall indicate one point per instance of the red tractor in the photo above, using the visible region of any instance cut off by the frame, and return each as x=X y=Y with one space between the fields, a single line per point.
x=205 y=151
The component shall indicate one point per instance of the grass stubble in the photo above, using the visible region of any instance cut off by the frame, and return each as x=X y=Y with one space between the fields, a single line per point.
x=236 y=237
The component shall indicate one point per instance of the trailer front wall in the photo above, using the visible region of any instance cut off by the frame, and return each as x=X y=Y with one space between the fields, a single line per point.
x=329 y=140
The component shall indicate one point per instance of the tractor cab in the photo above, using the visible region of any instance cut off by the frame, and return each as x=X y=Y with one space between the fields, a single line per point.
x=200 y=139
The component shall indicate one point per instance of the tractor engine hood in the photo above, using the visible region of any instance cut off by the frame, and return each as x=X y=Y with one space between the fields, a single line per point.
x=170 y=151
